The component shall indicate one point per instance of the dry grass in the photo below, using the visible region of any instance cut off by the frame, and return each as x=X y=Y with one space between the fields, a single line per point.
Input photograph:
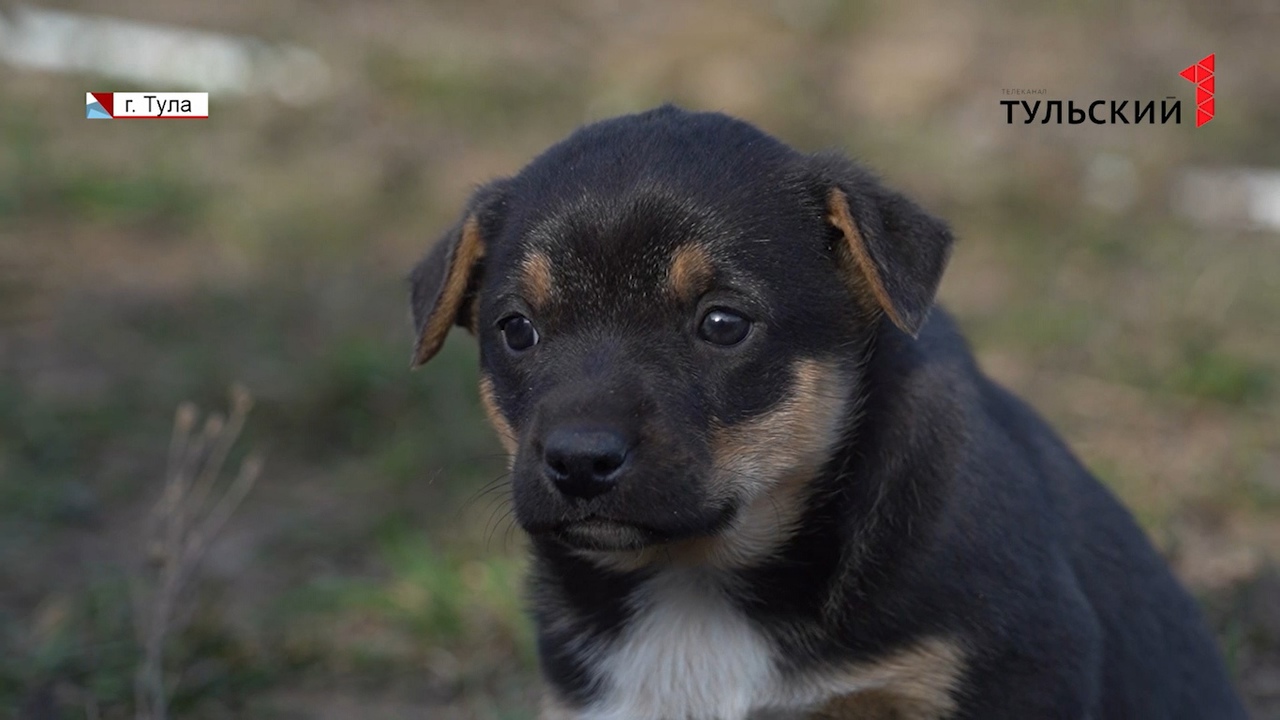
x=193 y=509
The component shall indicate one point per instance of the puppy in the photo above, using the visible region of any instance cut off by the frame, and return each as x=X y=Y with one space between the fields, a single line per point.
x=760 y=477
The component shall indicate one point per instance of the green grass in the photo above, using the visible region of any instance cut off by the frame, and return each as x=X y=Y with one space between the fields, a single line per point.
x=84 y=638
x=444 y=615
x=486 y=97
x=1207 y=372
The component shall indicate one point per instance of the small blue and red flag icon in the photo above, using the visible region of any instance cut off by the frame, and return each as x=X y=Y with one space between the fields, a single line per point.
x=1202 y=75
x=97 y=106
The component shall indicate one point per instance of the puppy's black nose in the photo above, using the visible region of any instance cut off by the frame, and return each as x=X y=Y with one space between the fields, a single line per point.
x=584 y=463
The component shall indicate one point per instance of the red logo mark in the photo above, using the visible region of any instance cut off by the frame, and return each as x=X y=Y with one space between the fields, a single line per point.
x=105 y=100
x=1202 y=75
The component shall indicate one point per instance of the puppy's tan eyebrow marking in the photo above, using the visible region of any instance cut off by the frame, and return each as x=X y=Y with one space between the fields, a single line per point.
x=536 y=279
x=690 y=271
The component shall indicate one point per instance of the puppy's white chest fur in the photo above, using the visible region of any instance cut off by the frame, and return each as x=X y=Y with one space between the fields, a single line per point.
x=687 y=654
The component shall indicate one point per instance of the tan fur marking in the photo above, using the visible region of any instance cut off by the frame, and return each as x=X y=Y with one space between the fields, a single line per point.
x=690 y=270
x=794 y=436
x=506 y=434
x=473 y=321
x=912 y=684
x=469 y=251
x=838 y=209
x=772 y=459
x=768 y=462
x=535 y=279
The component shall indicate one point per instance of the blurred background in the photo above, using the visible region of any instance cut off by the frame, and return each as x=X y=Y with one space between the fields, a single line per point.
x=1122 y=278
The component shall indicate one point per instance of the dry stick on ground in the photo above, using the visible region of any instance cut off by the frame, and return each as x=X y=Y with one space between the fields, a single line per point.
x=193 y=509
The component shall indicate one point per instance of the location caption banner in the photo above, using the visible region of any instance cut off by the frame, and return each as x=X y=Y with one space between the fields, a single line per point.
x=147 y=105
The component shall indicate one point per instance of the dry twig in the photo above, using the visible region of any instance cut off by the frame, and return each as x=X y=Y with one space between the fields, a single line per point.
x=193 y=508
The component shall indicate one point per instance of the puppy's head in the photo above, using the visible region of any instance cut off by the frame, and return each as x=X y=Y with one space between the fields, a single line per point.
x=671 y=309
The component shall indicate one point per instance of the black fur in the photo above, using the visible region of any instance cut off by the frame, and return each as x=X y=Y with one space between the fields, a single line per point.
x=947 y=507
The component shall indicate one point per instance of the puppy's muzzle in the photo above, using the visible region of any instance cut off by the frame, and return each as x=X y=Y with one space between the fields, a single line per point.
x=584 y=462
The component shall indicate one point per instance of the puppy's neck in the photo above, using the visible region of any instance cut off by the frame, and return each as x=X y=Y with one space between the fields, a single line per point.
x=675 y=631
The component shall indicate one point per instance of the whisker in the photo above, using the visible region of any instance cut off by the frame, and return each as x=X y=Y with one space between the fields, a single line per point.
x=510 y=519
x=489 y=487
x=491 y=525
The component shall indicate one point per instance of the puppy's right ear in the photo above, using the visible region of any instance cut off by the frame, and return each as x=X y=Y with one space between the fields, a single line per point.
x=444 y=283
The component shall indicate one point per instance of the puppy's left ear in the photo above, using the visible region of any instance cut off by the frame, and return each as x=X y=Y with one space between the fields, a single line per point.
x=444 y=283
x=893 y=251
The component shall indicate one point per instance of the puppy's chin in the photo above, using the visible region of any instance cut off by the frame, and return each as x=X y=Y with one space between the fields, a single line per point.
x=604 y=535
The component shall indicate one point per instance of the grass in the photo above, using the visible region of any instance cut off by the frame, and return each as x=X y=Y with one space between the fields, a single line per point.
x=432 y=599
x=486 y=97
x=1204 y=371
x=160 y=198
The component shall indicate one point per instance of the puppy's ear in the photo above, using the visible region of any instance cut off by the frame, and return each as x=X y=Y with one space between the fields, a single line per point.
x=891 y=250
x=444 y=284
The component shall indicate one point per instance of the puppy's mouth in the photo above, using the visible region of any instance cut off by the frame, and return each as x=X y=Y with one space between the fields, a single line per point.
x=599 y=532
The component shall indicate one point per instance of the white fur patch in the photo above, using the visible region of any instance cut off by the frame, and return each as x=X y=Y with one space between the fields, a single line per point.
x=688 y=654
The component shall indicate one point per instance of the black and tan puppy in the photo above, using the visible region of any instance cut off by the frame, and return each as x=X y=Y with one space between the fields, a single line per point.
x=761 y=478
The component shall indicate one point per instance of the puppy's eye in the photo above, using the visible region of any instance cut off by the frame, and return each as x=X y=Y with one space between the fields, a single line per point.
x=518 y=332
x=722 y=327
